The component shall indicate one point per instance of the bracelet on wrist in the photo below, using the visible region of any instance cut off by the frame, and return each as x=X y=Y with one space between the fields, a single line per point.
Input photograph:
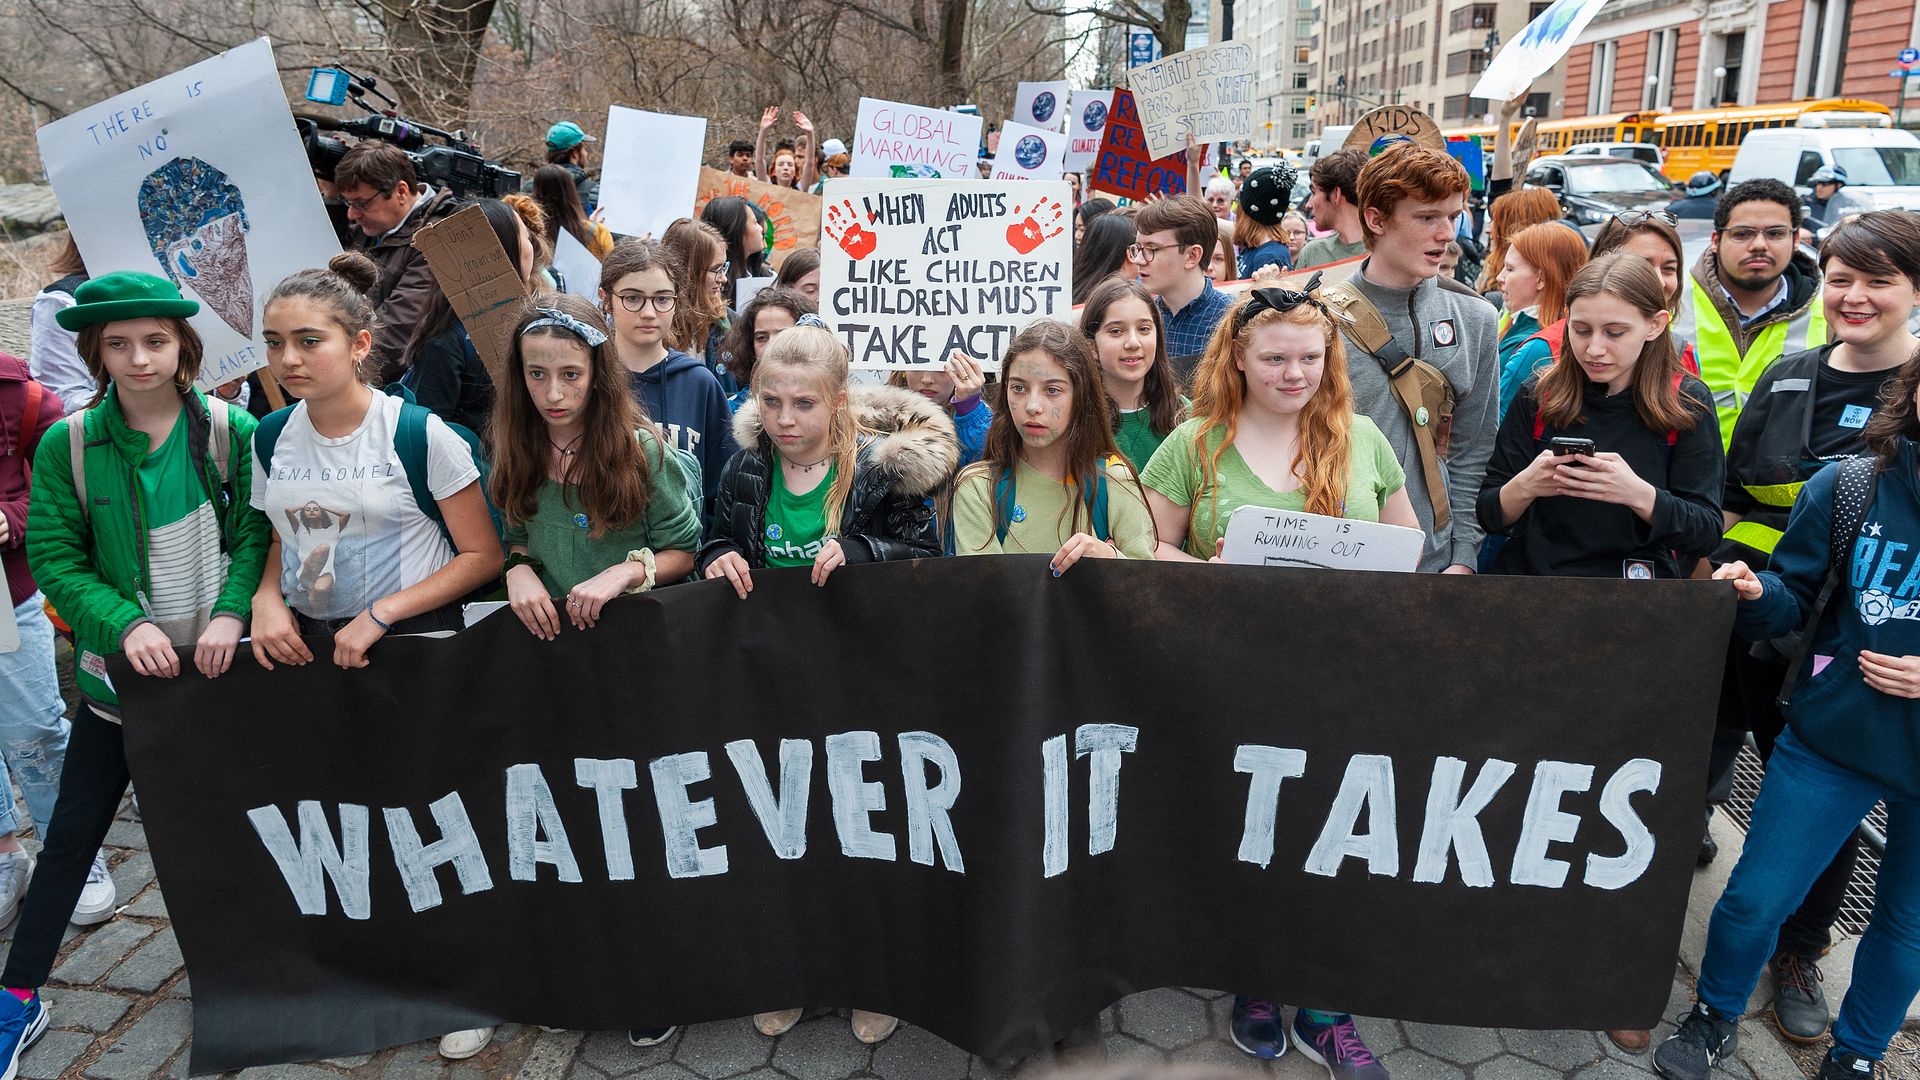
x=386 y=627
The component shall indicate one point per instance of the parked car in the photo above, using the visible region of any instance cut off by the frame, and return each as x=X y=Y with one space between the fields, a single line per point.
x=1633 y=151
x=1593 y=188
x=1882 y=164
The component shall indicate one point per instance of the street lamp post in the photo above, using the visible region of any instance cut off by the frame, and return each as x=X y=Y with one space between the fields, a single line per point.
x=1719 y=86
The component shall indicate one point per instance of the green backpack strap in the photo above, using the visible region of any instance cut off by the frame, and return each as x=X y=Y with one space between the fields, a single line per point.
x=410 y=443
x=1098 y=507
x=266 y=434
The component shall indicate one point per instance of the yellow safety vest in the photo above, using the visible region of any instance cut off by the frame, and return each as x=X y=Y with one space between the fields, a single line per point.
x=1729 y=374
x=1755 y=535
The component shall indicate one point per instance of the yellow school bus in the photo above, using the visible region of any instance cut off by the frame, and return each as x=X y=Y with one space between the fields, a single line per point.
x=1555 y=136
x=1705 y=140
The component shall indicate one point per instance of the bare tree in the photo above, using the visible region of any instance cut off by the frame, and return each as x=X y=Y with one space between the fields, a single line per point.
x=1167 y=19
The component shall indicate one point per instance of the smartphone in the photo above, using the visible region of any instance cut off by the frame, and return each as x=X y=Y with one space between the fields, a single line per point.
x=1563 y=447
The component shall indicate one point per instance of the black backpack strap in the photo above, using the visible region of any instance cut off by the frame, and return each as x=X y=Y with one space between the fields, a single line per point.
x=1853 y=491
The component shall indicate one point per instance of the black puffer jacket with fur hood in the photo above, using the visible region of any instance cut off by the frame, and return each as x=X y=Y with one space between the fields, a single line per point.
x=887 y=515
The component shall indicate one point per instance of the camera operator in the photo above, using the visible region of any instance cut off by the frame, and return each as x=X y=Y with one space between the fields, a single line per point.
x=388 y=204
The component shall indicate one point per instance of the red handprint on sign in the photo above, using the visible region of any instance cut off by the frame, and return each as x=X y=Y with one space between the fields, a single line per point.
x=1030 y=232
x=842 y=225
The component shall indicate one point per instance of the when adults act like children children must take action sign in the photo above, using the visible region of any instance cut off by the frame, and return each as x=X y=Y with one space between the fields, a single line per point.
x=1207 y=93
x=1123 y=166
x=199 y=177
x=910 y=271
x=1261 y=536
x=895 y=140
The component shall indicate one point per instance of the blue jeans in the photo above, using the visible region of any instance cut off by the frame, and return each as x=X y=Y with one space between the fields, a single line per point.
x=1807 y=808
x=33 y=725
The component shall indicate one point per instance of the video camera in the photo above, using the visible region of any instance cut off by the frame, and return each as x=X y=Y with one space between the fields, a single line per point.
x=455 y=164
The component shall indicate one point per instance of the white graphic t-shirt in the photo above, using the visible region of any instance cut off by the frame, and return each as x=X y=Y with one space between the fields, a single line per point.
x=350 y=532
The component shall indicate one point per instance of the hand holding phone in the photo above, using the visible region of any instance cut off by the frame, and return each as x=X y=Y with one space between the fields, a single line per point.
x=1565 y=447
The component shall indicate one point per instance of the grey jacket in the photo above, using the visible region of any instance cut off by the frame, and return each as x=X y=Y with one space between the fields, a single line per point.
x=1458 y=334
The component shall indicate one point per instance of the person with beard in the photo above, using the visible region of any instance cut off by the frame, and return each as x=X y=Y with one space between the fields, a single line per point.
x=1753 y=295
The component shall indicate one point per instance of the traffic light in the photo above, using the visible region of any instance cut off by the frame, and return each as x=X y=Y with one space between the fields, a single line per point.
x=1311 y=98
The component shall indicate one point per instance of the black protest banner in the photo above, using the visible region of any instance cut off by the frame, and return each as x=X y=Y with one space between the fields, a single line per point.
x=959 y=791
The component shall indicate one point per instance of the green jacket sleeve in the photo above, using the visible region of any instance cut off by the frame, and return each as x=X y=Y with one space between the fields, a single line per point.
x=252 y=533
x=672 y=524
x=60 y=550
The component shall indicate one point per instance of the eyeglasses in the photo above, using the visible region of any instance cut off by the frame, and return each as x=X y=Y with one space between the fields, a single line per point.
x=720 y=270
x=1630 y=218
x=360 y=205
x=1144 y=253
x=1779 y=234
x=634 y=301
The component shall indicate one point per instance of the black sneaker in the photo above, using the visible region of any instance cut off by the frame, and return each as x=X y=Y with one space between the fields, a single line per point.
x=1693 y=1051
x=650 y=1036
x=1799 y=1005
x=1841 y=1065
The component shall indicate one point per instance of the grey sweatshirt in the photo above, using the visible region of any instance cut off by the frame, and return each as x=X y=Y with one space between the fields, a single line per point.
x=1459 y=335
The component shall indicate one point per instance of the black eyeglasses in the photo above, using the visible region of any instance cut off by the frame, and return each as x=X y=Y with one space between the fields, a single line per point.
x=1631 y=218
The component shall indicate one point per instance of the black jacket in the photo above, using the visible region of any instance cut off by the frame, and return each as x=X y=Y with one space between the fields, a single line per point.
x=1565 y=536
x=910 y=453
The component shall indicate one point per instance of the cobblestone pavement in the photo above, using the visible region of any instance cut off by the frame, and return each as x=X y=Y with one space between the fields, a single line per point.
x=15 y=317
x=122 y=1008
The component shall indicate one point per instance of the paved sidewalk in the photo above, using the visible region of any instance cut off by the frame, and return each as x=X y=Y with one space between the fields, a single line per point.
x=122 y=1008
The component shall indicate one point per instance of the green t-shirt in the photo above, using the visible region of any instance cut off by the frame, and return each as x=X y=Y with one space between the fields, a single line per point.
x=183 y=582
x=559 y=534
x=1329 y=249
x=1136 y=438
x=796 y=524
x=1373 y=474
x=1041 y=520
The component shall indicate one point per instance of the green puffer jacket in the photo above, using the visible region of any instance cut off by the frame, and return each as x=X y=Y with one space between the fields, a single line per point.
x=95 y=572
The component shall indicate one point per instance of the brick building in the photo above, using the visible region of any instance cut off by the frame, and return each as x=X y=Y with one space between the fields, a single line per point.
x=1657 y=54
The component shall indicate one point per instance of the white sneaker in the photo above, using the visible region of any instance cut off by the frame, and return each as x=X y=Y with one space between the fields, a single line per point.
x=98 y=897
x=460 y=1045
x=16 y=869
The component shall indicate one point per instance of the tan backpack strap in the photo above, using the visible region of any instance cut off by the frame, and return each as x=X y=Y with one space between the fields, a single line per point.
x=1364 y=323
x=1358 y=316
x=220 y=437
x=77 y=459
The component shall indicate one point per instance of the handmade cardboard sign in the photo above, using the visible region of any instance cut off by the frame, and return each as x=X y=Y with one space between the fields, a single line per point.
x=1041 y=104
x=891 y=139
x=1378 y=129
x=1206 y=93
x=1087 y=123
x=651 y=169
x=795 y=214
x=1030 y=153
x=1261 y=536
x=579 y=270
x=1124 y=167
x=1540 y=46
x=473 y=270
x=912 y=270
x=198 y=177
x=1081 y=825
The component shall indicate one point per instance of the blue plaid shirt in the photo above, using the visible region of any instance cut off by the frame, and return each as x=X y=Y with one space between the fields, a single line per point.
x=1189 y=329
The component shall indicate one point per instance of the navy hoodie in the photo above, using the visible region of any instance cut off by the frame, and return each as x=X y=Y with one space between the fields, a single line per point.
x=681 y=396
x=1834 y=712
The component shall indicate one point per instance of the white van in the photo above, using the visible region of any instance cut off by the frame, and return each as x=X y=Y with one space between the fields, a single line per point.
x=1633 y=151
x=1883 y=164
x=1330 y=141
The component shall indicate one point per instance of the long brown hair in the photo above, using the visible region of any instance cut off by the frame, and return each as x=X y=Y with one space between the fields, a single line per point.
x=608 y=469
x=824 y=359
x=1089 y=437
x=1510 y=214
x=1160 y=393
x=192 y=353
x=692 y=247
x=1894 y=419
x=1326 y=424
x=741 y=351
x=1556 y=253
x=1614 y=235
x=1656 y=393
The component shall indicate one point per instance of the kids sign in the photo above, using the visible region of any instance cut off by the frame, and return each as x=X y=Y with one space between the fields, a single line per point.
x=1123 y=166
x=911 y=271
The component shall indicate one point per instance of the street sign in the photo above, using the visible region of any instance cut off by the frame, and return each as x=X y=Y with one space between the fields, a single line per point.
x=1142 y=48
x=1909 y=57
x=1903 y=73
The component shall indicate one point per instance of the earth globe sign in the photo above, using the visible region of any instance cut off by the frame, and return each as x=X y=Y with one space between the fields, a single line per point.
x=1043 y=106
x=1030 y=151
x=1095 y=115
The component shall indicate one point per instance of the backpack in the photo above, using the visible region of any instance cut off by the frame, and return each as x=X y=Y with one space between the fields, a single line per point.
x=30 y=421
x=1424 y=393
x=409 y=444
x=690 y=469
x=219 y=448
x=1853 y=491
x=1003 y=495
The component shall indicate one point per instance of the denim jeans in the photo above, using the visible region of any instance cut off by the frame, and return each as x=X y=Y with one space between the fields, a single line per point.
x=1807 y=808
x=33 y=725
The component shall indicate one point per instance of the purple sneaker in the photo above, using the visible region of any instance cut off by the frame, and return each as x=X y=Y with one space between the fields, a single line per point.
x=1256 y=1028
x=1338 y=1047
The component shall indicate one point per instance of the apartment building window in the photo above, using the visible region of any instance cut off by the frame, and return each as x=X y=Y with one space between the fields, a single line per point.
x=1300 y=55
x=1460 y=107
x=1300 y=80
x=1472 y=17
x=1734 y=53
x=1661 y=46
x=1297 y=106
x=1302 y=27
x=1600 y=77
x=1304 y=5
x=1467 y=62
x=1826 y=23
x=1299 y=131
x=1534 y=9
